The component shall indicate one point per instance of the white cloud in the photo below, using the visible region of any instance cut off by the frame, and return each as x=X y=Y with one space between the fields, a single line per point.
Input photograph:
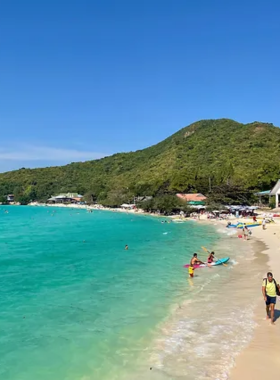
x=43 y=153
x=31 y=156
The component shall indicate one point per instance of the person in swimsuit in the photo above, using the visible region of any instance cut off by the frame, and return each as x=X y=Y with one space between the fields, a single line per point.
x=211 y=258
x=195 y=261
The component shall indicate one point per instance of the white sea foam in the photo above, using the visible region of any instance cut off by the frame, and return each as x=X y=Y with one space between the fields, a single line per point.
x=214 y=323
x=227 y=231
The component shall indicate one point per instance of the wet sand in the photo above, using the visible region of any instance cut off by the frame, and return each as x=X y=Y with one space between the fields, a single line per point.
x=213 y=323
x=261 y=358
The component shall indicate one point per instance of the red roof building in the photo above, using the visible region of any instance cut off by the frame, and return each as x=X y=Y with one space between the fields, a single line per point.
x=198 y=197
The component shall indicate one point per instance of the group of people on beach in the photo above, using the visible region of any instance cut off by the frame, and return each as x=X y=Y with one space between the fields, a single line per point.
x=270 y=287
x=247 y=232
x=196 y=261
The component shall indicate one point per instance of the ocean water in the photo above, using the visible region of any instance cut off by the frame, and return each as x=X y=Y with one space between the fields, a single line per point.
x=75 y=305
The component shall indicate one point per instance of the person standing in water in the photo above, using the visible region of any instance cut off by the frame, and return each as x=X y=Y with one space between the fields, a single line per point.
x=194 y=261
x=126 y=247
x=245 y=232
x=270 y=288
x=191 y=271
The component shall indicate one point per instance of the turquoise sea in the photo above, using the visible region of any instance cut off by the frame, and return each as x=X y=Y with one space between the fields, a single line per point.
x=75 y=305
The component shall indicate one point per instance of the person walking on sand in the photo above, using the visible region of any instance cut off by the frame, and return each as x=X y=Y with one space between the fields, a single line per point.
x=270 y=289
x=263 y=223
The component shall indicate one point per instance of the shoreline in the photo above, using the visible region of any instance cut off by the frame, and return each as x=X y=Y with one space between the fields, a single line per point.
x=259 y=358
x=217 y=340
x=111 y=209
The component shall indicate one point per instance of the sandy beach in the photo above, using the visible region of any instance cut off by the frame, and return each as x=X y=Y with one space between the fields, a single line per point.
x=89 y=207
x=260 y=358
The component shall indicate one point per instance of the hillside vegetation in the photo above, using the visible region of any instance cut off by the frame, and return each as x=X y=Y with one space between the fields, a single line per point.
x=209 y=155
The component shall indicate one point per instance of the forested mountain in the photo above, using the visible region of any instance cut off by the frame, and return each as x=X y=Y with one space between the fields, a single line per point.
x=201 y=157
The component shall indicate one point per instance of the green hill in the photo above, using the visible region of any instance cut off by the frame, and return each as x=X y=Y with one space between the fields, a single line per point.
x=211 y=153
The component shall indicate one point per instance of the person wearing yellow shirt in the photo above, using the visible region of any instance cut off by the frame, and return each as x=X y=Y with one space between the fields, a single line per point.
x=270 y=288
x=191 y=271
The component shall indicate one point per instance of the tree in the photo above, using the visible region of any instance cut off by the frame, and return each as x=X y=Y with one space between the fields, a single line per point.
x=143 y=188
x=227 y=193
x=3 y=200
x=23 y=199
x=117 y=197
x=89 y=197
x=230 y=153
x=165 y=204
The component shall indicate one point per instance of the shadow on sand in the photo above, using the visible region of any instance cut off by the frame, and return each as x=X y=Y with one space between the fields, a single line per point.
x=276 y=315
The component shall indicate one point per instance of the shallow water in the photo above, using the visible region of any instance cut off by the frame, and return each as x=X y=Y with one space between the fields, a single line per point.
x=204 y=334
x=75 y=305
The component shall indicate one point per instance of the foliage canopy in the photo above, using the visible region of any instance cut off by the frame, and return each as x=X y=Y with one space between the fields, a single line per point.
x=206 y=155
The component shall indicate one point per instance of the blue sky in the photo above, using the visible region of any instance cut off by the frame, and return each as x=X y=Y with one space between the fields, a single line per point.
x=83 y=79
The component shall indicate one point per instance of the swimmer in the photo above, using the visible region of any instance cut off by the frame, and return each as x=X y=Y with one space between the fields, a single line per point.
x=126 y=247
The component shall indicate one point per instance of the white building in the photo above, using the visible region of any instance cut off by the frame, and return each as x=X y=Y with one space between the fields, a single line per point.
x=276 y=191
x=10 y=198
x=66 y=198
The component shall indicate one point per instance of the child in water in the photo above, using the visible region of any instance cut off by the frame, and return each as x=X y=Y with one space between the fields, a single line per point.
x=191 y=271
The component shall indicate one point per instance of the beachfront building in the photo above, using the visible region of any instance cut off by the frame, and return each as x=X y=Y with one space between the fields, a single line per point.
x=143 y=198
x=264 y=197
x=276 y=192
x=10 y=198
x=65 y=198
x=127 y=206
x=193 y=199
